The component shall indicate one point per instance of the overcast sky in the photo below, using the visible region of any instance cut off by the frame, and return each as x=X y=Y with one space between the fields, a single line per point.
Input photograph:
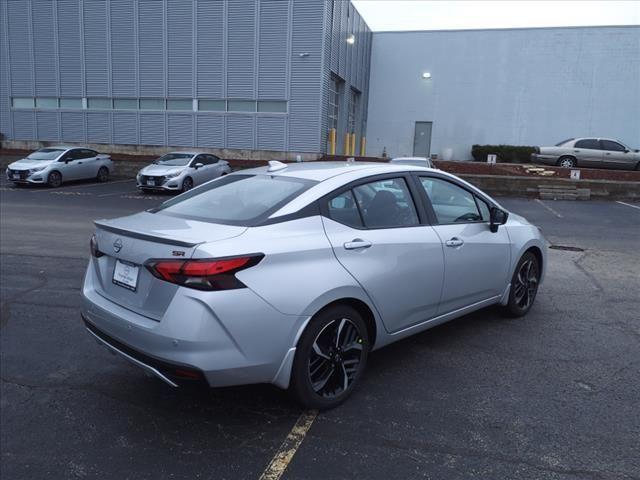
x=447 y=15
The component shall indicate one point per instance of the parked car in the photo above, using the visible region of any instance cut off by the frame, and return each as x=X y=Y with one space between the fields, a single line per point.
x=417 y=161
x=54 y=165
x=181 y=171
x=291 y=274
x=589 y=152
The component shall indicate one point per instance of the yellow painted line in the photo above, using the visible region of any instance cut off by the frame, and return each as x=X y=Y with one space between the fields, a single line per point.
x=289 y=447
x=628 y=205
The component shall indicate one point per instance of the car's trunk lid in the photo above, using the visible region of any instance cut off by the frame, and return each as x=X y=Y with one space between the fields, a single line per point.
x=127 y=243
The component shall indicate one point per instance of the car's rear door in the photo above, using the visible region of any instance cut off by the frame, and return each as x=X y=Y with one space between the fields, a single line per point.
x=381 y=237
x=88 y=163
x=617 y=155
x=476 y=260
x=588 y=152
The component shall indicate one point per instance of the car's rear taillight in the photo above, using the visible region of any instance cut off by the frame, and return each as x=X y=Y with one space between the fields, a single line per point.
x=93 y=245
x=206 y=274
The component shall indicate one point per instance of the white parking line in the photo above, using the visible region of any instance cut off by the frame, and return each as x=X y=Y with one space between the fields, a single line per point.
x=628 y=204
x=548 y=208
x=289 y=447
x=85 y=185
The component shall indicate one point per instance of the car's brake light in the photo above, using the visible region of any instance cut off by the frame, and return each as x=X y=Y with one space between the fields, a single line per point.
x=207 y=274
x=93 y=245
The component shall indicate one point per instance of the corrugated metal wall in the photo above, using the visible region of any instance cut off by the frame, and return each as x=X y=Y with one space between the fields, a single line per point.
x=253 y=50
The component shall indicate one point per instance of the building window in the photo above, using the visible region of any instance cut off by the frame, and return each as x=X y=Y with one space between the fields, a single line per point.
x=125 y=103
x=71 y=103
x=22 y=102
x=241 y=106
x=212 y=105
x=354 y=105
x=99 y=103
x=335 y=89
x=275 y=106
x=180 y=104
x=46 y=103
x=151 y=104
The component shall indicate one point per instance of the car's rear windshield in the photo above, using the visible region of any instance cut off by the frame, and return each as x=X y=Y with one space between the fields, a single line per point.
x=244 y=200
x=46 y=154
x=174 y=159
x=559 y=144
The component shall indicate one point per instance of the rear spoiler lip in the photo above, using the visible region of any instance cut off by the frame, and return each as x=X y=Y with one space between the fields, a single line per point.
x=145 y=236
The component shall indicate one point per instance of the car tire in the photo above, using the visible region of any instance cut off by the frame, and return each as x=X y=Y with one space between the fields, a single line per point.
x=567 y=162
x=103 y=175
x=330 y=358
x=524 y=286
x=54 y=180
x=187 y=184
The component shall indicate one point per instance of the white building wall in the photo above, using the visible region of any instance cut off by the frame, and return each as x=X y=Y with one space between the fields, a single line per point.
x=517 y=86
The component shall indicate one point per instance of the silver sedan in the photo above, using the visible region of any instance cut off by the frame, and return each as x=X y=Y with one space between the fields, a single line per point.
x=589 y=152
x=54 y=165
x=292 y=274
x=181 y=171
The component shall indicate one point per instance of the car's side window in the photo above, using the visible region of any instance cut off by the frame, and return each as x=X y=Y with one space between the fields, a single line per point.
x=213 y=159
x=386 y=203
x=85 y=153
x=451 y=203
x=343 y=209
x=485 y=212
x=198 y=159
x=70 y=156
x=588 y=143
x=612 y=146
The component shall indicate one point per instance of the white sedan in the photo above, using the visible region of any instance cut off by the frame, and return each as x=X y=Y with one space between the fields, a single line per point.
x=181 y=171
x=53 y=165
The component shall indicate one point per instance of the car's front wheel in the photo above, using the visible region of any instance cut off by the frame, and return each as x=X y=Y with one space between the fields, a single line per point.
x=54 y=180
x=331 y=357
x=524 y=286
x=567 y=162
x=187 y=184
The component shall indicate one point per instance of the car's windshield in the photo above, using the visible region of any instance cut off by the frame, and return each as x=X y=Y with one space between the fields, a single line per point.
x=236 y=199
x=174 y=159
x=46 y=154
x=559 y=144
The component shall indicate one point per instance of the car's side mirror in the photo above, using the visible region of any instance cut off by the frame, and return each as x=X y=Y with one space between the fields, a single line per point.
x=498 y=217
x=626 y=150
x=198 y=165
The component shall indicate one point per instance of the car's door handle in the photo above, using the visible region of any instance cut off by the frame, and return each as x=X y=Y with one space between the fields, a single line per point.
x=357 y=243
x=454 y=242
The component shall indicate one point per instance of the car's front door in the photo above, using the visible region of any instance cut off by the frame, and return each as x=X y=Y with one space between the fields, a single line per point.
x=476 y=259
x=70 y=165
x=198 y=174
x=588 y=153
x=378 y=237
x=617 y=155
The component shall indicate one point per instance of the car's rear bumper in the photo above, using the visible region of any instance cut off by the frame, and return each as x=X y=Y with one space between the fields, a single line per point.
x=232 y=337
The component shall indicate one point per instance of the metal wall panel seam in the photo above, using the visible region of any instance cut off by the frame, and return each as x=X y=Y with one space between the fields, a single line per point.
x=194 y=55
x=288 y=70
x=165 y=48
x=256 y=65
x=5 y=46
x=33 y=60
x=136 y=37
x=225 y=66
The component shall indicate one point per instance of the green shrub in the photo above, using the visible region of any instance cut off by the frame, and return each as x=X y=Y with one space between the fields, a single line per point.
x=504 y=153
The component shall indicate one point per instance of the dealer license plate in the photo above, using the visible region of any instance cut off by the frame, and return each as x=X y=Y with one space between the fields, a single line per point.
x=125 y=274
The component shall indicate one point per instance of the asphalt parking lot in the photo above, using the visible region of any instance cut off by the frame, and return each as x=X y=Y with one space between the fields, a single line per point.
x=554 y=395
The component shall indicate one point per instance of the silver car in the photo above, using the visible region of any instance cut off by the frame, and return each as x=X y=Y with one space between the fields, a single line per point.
x=589 y=152
x=181 y=171
x=292 y=274
x=417 y=161
x=54 y=165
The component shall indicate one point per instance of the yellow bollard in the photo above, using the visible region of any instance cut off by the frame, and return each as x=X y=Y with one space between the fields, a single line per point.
x=353 y=144
x=363 y=146
x=332 y=141
x=347 y=143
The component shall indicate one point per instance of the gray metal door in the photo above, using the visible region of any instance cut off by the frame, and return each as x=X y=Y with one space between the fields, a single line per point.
x=422 y=139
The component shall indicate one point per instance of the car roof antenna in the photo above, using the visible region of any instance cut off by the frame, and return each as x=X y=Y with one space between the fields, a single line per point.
x=275 y=165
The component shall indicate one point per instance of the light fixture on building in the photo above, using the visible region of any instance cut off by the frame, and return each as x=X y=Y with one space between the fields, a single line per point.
x=426 y=75
x=351 y=39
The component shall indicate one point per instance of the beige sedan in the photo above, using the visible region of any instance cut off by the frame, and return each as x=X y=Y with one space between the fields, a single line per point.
x=589 y=152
